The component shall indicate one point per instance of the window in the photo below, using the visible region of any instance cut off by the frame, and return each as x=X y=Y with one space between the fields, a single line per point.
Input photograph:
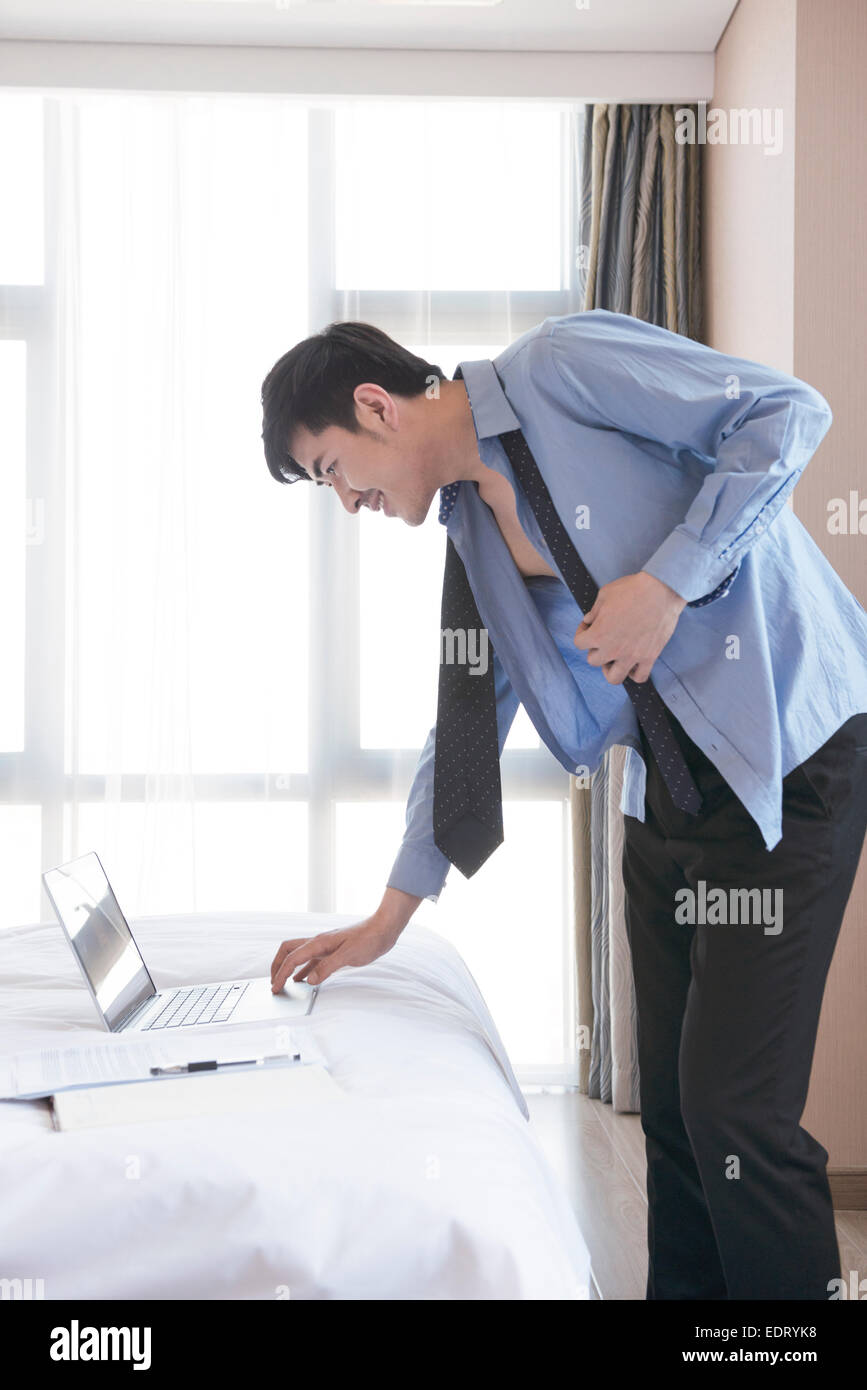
x=201 y=679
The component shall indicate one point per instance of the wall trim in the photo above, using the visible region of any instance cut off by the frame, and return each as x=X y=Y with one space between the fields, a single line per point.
x=848 y=1188
x=620 y=77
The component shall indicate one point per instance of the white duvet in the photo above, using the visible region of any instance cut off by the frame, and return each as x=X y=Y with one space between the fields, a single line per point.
x=427 y=1183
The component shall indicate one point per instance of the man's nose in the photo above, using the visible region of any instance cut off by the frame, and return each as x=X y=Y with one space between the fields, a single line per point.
x=352 y=499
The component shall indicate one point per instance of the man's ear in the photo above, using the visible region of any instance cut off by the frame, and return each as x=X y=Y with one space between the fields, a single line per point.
x=371 y=399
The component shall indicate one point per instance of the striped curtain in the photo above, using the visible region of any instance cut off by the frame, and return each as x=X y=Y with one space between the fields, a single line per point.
x=639 y=255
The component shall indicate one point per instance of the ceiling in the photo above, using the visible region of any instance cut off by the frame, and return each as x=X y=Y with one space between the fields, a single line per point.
x=603 y=26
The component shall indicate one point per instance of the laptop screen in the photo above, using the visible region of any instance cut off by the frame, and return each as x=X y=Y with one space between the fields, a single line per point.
x=110 y=961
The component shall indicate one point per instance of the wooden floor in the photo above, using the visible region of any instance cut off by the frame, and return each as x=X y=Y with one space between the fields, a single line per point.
x=599 y=1157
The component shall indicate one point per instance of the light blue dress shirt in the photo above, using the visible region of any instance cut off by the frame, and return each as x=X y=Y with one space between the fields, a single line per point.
x=661 y=455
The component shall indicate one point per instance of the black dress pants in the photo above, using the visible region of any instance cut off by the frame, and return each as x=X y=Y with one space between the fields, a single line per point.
x=727 y=1015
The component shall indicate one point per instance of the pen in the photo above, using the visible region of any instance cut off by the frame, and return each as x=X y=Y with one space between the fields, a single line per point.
x=218 y=1066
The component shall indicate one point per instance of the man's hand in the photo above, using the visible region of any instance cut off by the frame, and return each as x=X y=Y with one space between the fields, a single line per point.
x=317 y=957
x=628 y=626
x=314 y=958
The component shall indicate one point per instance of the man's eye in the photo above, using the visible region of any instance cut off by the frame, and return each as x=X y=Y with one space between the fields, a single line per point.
x=328 y=470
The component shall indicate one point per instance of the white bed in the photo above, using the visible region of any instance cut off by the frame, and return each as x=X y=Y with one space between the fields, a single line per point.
x=427 y=1183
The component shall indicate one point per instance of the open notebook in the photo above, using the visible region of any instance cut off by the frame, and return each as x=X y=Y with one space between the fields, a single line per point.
x=204 y=1093
x=108 y=1060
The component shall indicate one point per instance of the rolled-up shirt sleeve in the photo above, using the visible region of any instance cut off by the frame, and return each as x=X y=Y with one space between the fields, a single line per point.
x=754 y=427
x=420 y=867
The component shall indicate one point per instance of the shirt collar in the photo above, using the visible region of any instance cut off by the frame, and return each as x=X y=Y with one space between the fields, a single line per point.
x=491 y=414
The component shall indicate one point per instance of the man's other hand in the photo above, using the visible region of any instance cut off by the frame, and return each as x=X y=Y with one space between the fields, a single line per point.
x=628 y=626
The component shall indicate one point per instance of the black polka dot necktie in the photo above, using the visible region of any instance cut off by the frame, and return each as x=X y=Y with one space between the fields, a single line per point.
x=467 y=809
x=468 y=800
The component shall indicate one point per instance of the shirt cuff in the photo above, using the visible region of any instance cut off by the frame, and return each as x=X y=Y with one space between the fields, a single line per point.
x=719 y=592
x=419 y=872
x=687 y=566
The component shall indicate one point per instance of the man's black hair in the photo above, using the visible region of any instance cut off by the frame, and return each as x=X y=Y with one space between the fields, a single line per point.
x=312 y=386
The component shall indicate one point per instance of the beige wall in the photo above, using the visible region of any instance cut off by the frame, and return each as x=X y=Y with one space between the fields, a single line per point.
x=748 y=241
x=784 y=241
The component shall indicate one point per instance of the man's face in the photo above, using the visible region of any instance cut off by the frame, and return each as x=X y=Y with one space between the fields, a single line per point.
x=386 y=466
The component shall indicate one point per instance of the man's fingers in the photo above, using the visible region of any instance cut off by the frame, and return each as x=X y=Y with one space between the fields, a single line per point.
x=303 y=971
x=308 y=951
x=283 y=950
x=641 y=672
x=288 y=965
x=615 y=672
x=304 y=945
x=319 y=970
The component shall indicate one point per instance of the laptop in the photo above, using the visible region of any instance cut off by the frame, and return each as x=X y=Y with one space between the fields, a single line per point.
x=126 y=998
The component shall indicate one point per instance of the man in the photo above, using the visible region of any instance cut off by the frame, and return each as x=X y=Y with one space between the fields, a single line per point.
x=669 y=465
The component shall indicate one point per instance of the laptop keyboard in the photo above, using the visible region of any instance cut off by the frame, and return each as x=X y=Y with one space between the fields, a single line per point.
x=214 y=1004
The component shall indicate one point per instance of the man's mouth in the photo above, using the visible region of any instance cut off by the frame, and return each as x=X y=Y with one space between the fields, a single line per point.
x=379 y=503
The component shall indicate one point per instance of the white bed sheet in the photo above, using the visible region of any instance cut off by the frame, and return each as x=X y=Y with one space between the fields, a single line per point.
x=428 y=1183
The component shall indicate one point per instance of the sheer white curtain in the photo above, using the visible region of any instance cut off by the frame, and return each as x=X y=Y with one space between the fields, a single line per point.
x=229 y=681
x=180 y=247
